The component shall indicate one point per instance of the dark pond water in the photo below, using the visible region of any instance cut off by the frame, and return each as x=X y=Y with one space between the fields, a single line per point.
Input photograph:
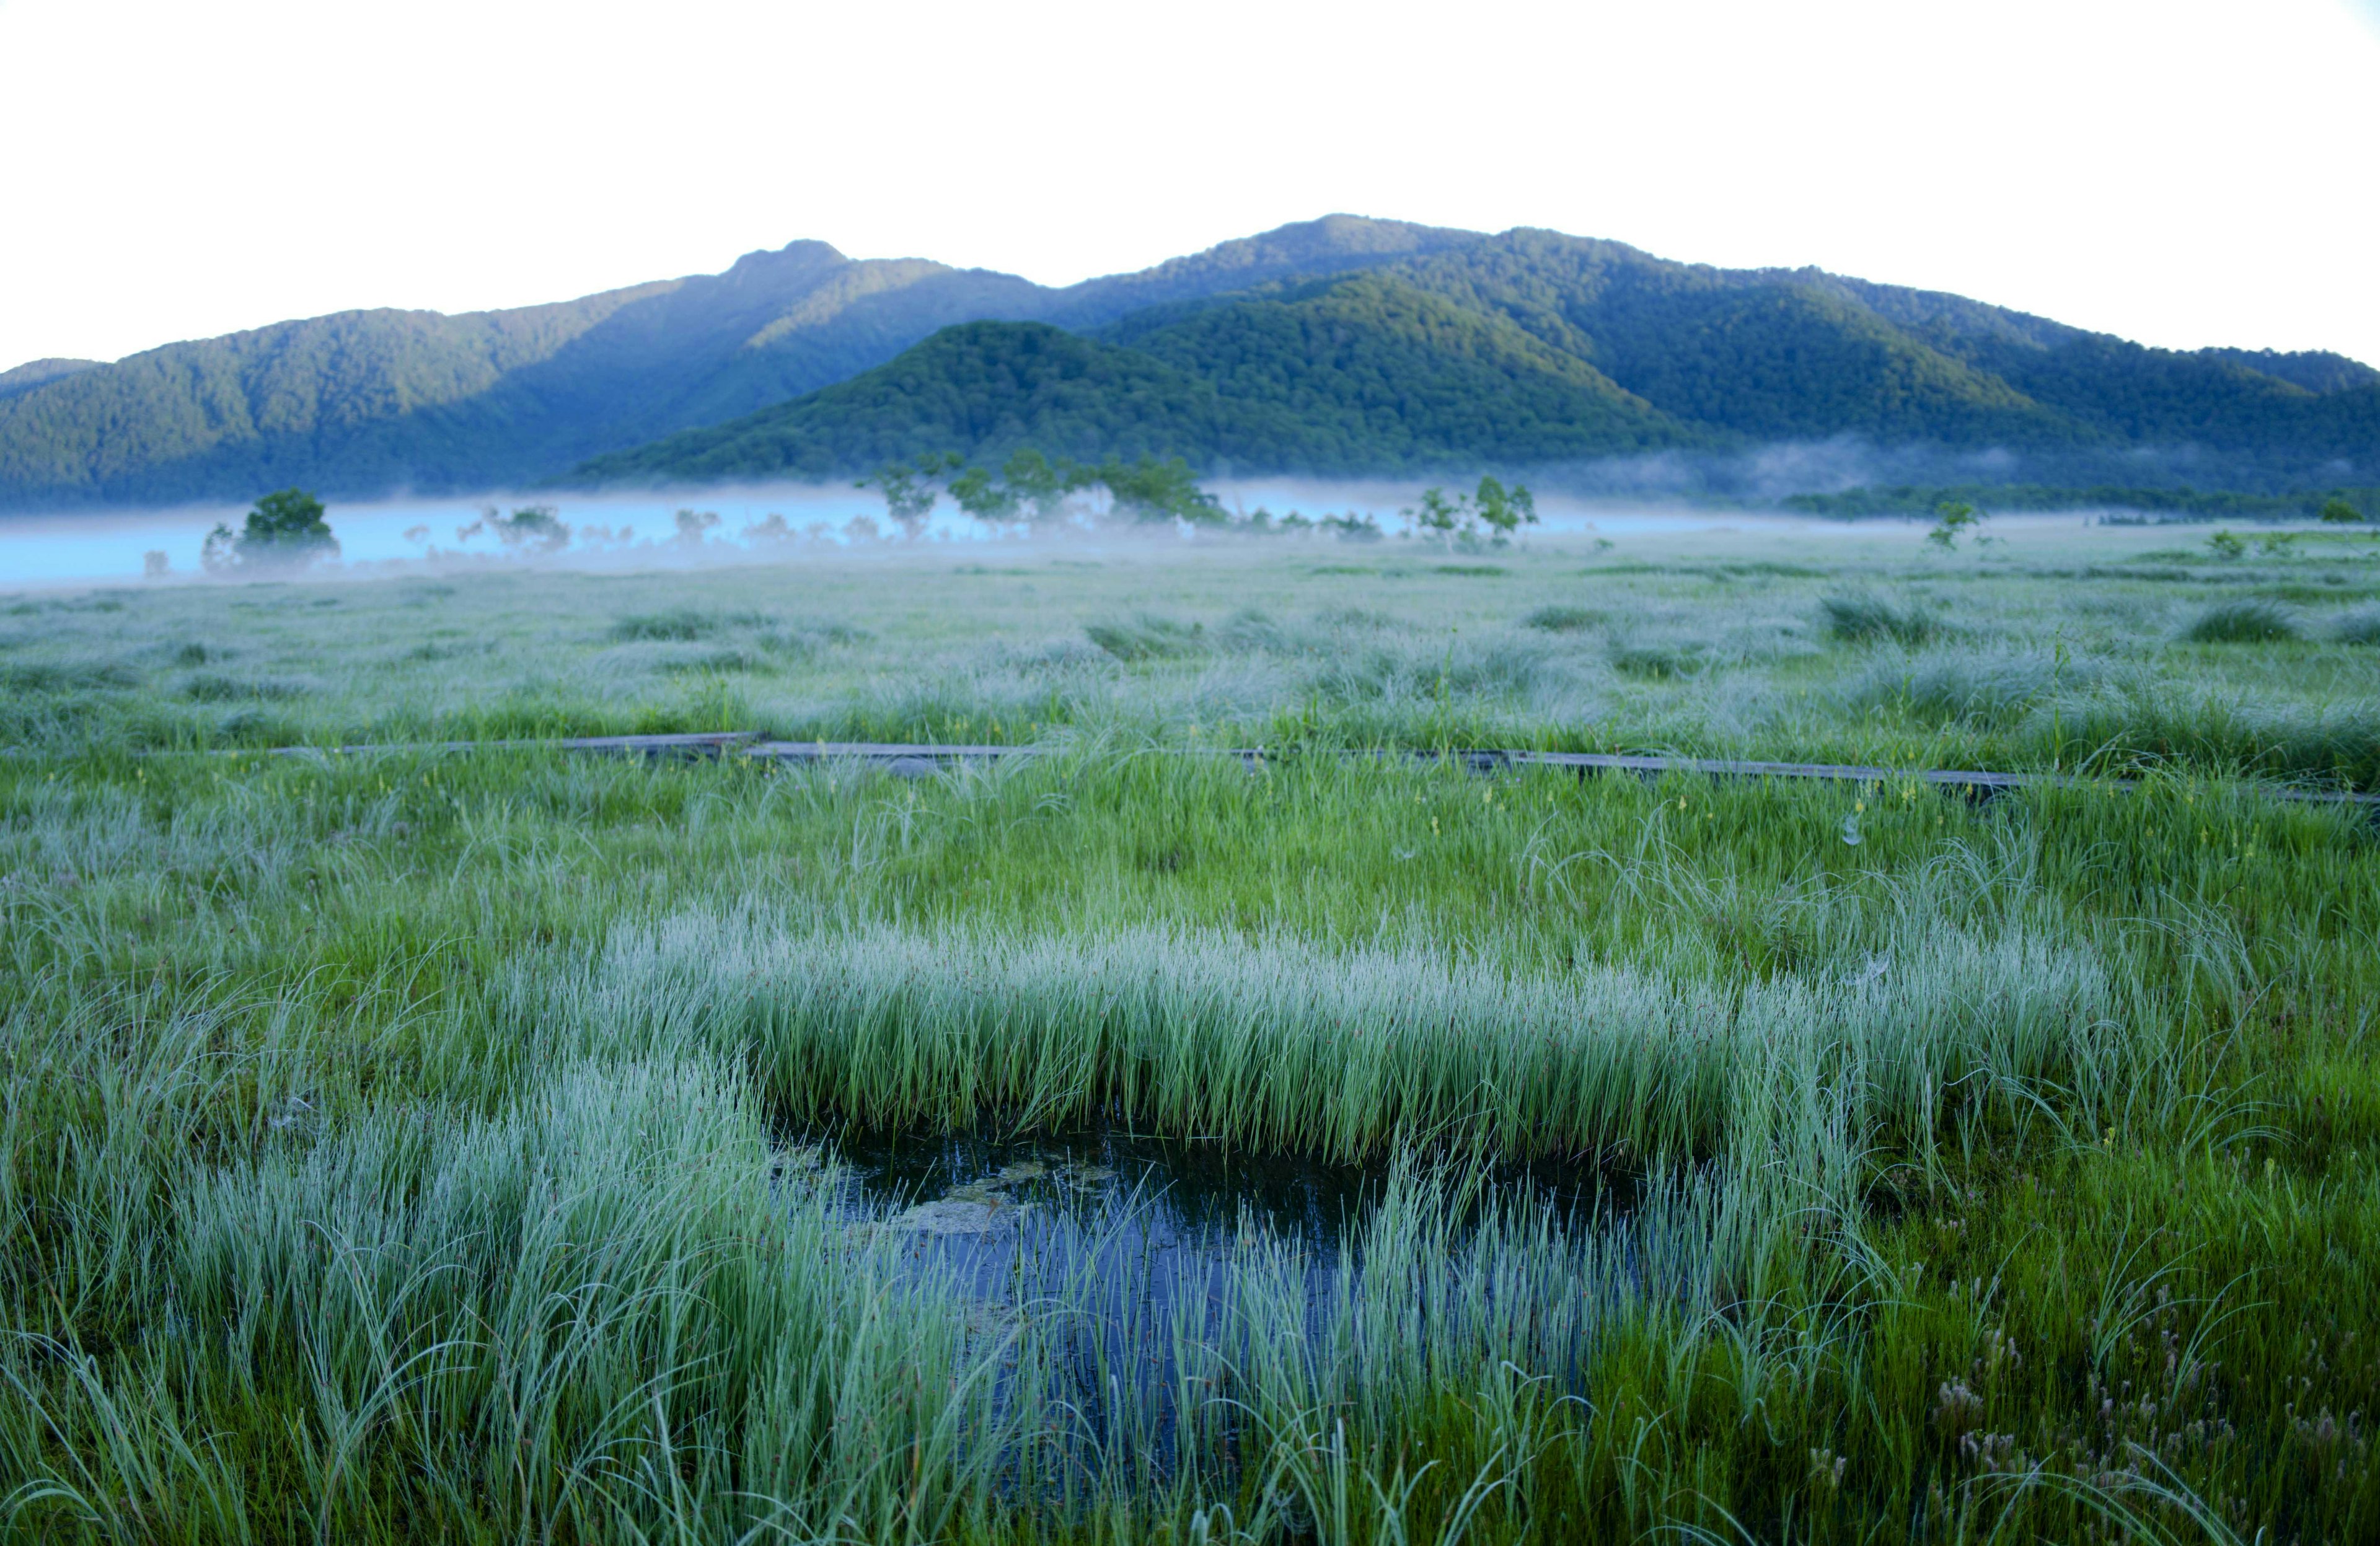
x=1134 y=1226
x=1117 y=1255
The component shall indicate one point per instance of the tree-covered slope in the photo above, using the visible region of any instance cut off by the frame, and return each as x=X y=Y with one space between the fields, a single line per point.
x=1333 y=245
x=980 y=388
x=1360 y=374
x=1805 y=354
x=1341 y=344
x=368 y=401
x=1374 y=373
x=40 y=373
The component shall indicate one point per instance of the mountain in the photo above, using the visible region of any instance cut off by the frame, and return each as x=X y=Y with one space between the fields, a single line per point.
x=1333 y=245
x=1535 y=347
x=2317 y=371
x=1341 y=344
x=33 y=373
x=363 y=403
x=983 y=387
x=1352 y=375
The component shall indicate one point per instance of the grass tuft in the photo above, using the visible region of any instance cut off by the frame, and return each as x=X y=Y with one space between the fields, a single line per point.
x=2243 y=622
x=1564 y=619
x=1146 y=636
x=2361 y=626
x=1864 y=617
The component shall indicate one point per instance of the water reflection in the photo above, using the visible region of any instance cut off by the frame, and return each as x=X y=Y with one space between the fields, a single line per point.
x=1147 y=1233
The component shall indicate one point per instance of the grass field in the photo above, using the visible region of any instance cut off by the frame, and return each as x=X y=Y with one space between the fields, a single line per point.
x=414 y=1147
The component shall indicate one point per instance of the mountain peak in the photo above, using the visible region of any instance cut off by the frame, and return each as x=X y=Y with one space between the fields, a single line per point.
x=40 y=373
x=796 y=259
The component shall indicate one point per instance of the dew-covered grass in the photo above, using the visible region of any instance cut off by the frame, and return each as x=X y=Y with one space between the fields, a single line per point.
x=413 y=1145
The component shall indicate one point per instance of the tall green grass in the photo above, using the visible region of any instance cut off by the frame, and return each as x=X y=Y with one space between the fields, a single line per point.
x=1272 y=1044
x=394 y=1147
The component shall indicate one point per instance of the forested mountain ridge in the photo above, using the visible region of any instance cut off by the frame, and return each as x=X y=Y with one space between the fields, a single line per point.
x=40 y=373
x=1802 y=353
x=1341 y=344
x=1530 y=347
x=368 y=402
x=1352 y=375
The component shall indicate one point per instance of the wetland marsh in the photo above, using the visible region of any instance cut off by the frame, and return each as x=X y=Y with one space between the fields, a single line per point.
x=1124 y=1145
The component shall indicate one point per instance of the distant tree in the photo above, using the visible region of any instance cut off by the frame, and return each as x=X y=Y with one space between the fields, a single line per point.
x=1149 y=489
x=155 y=565
x=909 y=488
x=860 y=530
x=1505 y=511
x=1951 y=519
x=2225 y=545
x=981 y=496
x=1042 y=487
x=285 y=531
x=692 y=524
x=770 y=531
x=1439 y=517
x=1032 y=487
x=2341 y=510
x=536 y=528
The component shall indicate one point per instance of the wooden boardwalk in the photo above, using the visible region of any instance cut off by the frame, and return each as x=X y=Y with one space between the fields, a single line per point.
x=915 y=761
x=922 y=760
x=708 y=743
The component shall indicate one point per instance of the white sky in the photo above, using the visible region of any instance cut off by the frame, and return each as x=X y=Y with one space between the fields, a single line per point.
x=2177 y=172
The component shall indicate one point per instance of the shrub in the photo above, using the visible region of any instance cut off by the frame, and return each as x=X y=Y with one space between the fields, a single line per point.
x=2358 y=627
x=1656 y=662
x=1863 y=618
x=684 y=624
x=1147 y=637
x=1562 y=619
x=209 y=687
x=2242 y=622
x=1984 y=689
x=284 y=531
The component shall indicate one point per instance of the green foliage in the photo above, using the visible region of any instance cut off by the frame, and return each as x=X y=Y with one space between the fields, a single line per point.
x=909 y=488
x=2226 y=545
x=1909 y=500
x=2249 y=622
x=536 y=528
x=1504 y=511
x=2361 y=626
x=285 y=531
x=1149 y=489
x=1030 y=486
x=1951 y=519
x=1440 y=517
x=2340 y=512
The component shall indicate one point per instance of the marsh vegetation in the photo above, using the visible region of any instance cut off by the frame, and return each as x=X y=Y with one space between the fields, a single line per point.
x=428 y=1145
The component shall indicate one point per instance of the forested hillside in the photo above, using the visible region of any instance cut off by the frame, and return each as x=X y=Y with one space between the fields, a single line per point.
x=40 y=373
x=1533 y=347
x=367 y=401
x=1356 y=375
x=1337 y=345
